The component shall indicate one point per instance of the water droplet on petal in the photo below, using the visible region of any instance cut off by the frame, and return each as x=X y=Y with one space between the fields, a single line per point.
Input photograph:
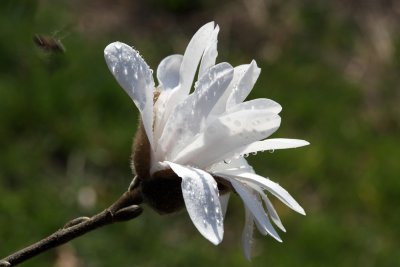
x=227 y=161
x=272 y=151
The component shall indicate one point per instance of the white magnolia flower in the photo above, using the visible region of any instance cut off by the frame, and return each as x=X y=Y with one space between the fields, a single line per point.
x=190 y=147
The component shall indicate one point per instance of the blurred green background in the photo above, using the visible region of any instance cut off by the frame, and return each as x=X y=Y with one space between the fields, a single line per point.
x=66 y=128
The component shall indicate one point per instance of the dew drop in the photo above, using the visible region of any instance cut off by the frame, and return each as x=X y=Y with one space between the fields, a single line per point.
x=246 y=155
x=126 y=71
x=118 y=45
x=272 y=151
x=206 y=210
x=227 y=161
x=254 y=153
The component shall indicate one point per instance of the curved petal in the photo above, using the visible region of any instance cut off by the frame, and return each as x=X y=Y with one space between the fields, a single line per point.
x=224 y=200
x=192 y=56
x=189 y=117
x=225 y=134
x=168 y=72
x=254 y=205
x=201 y=196
x=271 y=186
x=247 y=234
x=260 y=104
x=187 y=71
x=232 y=166
x=210 y=54
x=245 y=85
x=272 y=212
x=268 y=144
x=221 y=106
x=135 y=77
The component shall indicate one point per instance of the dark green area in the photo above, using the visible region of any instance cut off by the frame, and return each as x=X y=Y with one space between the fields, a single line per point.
x=66 y=128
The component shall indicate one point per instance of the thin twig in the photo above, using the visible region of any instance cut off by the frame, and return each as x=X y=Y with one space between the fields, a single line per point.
x=123 y=209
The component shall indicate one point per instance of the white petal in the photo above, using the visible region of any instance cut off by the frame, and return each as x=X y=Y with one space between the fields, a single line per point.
x=188 y=67
x=201 y=196
x=245 y=85
x=189 y=117
x=224 y=200
x=210 y=54
x=271 y=144
x=247 y=234
x=264 y=104
x=232 y=166
x=253 y=204
x=227 y=133
x=168 y=72
x=192 y=56
x=272 y=187
x=272 y=212
x=221 y=105
x=135 y=77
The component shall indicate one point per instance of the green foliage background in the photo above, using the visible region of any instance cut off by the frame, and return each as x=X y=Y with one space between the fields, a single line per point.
x=66 y=128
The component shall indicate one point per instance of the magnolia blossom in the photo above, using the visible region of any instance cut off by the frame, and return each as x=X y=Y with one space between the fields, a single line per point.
x=201 y=134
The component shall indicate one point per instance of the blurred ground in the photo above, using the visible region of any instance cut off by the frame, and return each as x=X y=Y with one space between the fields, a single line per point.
x=66 y=128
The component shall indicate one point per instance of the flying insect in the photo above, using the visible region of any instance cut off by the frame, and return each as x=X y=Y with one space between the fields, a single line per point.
x=49 y=44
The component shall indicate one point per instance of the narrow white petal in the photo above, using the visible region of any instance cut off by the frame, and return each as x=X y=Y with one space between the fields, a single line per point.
x=135 y=77
x=224 y=200
x=272 y=212
x=232 y=166
x=253 y=204
x=221 y=105
x=210 y=54
x=272 y=187
x=225 y=134
x=201 y=196
x=168 y=72
x=192 y=56
x=247 y=234
x=264 y=104
x=189 y=117
x=271 y=145
x=188 y=67
x=245 y=85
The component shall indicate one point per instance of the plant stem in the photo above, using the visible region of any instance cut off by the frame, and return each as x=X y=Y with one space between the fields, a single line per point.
x=123 y=209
